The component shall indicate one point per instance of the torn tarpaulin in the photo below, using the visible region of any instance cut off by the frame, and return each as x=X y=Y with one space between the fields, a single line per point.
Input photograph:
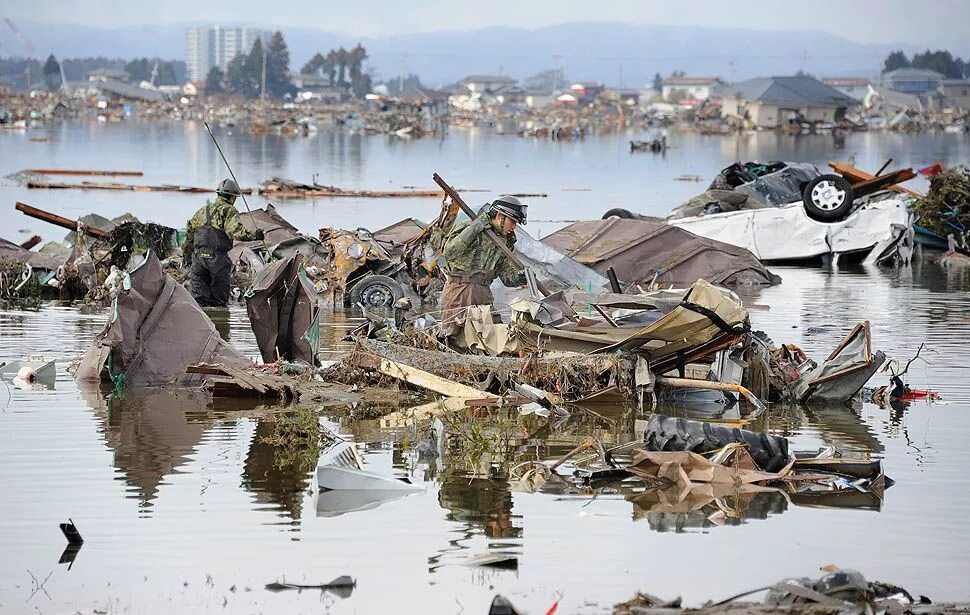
x=156 y=330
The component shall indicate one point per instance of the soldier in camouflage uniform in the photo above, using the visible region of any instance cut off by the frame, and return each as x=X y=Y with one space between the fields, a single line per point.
x=472 y=261
x=208 y=239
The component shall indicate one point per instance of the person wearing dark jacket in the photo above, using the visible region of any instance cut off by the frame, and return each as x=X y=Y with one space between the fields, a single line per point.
x=208 y=239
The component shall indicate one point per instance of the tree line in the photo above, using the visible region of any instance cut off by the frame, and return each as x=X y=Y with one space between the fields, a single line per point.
x=48 y=74
x=343 y=69
x=262 y=71
x=941 y=61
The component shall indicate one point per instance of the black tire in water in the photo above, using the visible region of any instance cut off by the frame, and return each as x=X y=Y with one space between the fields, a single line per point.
x=376 y=291
x=619 y=213
x=828 y=198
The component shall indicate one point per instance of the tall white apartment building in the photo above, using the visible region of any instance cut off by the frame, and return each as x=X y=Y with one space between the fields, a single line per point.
x=208 y=46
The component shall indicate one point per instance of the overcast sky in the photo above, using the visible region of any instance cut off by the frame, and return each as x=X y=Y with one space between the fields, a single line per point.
x=936 y=23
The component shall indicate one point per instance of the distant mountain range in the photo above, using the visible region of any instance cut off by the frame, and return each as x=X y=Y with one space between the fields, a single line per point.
x=613 y=53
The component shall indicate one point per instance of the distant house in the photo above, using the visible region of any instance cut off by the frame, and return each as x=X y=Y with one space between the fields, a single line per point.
x=586 y=91
x=120 y=90
x=853 y=87
x=956 y=93
x=114 y=74
x=479 y=84
x=626 y=96
x=698 y=88
x=510 y=94
x=773 y=102
x=919 y=81
x=538 y=99
x=316 y=87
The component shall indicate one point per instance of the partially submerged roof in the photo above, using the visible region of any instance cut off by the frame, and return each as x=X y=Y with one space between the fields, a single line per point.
x=685 y=81
x=912 y=74
x=798 y=91
x=487 y=79
x=37 y=260
x=641 y=251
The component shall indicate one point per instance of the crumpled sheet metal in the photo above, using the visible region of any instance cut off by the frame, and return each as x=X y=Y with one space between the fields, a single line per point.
x=683 y=328
x=482 y=336
x=156 y=330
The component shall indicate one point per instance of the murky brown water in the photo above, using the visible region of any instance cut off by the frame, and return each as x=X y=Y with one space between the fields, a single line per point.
x=184 y=508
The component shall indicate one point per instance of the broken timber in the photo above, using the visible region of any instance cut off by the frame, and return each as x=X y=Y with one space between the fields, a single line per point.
x=413 y=376
x=71 y=225
x=232 y=381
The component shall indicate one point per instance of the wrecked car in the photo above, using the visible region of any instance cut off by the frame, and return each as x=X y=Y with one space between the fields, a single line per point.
x=785 y=212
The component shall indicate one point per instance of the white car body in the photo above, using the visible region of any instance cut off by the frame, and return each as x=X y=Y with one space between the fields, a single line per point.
x=786 y=233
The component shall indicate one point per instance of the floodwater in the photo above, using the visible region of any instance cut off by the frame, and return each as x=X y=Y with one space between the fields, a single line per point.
x=184 y=508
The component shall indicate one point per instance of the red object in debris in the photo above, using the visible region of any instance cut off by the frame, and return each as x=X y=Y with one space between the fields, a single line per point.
x=933 y=169
x=914 y=394
x=552 y=609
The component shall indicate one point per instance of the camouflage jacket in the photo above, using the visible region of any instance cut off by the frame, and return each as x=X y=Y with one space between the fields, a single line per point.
x=224 y=216
x=467 y=249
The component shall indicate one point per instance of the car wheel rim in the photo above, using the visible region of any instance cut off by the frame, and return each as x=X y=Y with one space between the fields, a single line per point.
x=377 y=295
x=827 y=196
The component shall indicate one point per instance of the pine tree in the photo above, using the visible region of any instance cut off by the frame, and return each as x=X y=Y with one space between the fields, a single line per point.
x=52 y=72
x=278 y=67
x=894 y=60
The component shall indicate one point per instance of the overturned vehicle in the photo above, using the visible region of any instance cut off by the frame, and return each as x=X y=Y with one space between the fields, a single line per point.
x=792 y=212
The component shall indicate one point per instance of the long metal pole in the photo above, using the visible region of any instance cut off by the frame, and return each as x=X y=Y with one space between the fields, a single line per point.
x=233 y=176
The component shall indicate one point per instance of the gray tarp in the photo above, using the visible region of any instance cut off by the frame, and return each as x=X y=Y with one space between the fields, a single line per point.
x=638 y=250
x=156 y=330
x=282 y=307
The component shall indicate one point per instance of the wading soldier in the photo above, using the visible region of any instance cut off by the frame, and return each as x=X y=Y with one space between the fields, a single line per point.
x=473 y=261
x=208 y=239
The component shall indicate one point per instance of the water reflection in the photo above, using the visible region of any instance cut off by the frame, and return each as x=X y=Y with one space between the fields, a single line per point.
x=151 y=432
x=274 y=480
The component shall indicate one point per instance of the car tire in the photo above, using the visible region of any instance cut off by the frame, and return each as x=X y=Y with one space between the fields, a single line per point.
x=376 y=291
x=828 y=198
x=619 y=213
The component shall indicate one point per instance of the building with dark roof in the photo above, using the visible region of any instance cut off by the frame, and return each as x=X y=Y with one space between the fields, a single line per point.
x=919 y=81
x=773 y=102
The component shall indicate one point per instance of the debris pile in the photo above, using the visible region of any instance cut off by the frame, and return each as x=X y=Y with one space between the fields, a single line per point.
x=838 y=591
x=945 y=209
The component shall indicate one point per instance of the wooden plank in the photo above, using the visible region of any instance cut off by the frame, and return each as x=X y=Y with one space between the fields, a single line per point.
x=84 y=172
x=857 y=176
x=414 y=376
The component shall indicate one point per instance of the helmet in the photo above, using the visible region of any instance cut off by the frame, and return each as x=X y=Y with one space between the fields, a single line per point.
x=228 y=187
x=511 y=207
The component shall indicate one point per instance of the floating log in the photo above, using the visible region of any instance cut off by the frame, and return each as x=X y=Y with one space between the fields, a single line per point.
x=123 y=187
x=71 y=225
x=369 y=194
x=288 y=189
x=84 y=172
